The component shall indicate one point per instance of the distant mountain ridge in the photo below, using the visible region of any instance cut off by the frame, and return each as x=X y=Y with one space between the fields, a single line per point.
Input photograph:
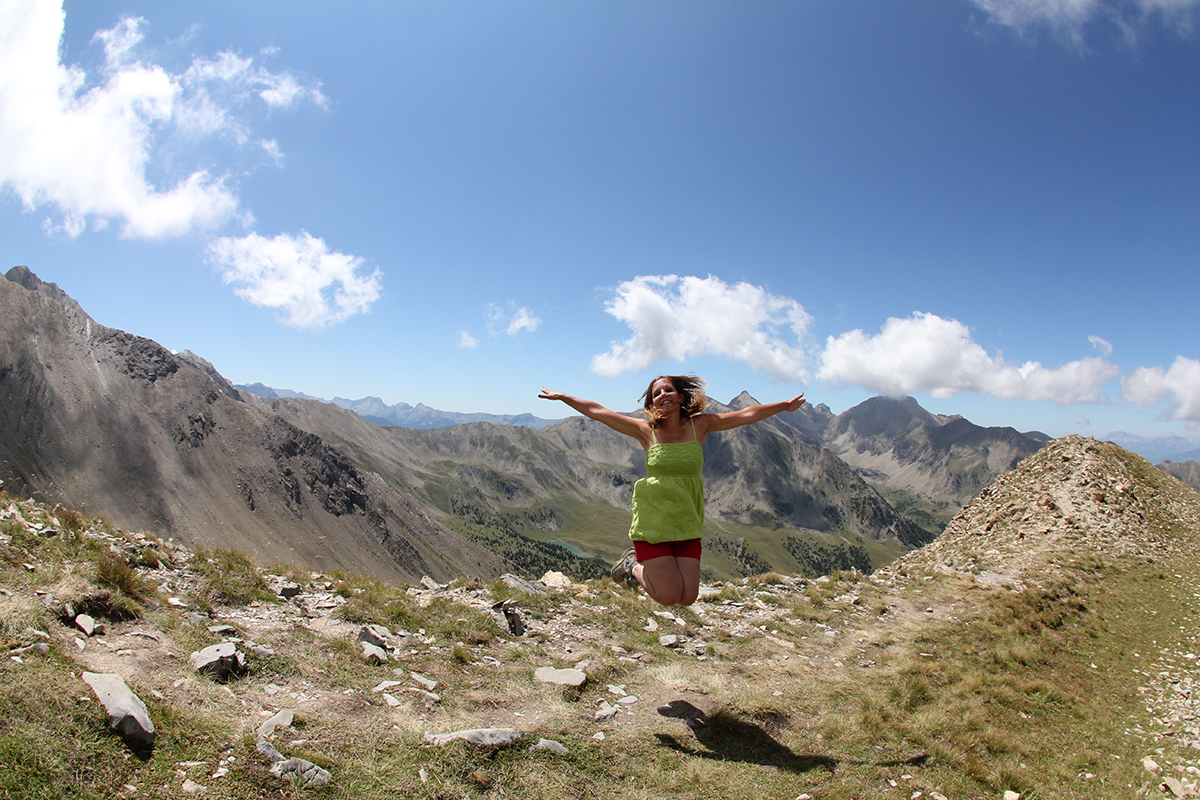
x=1156 y=448
x=1188 y=471
x=403 y=415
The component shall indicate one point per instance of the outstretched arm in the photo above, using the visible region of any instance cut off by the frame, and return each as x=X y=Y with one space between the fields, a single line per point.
x=630 y=426
x=749 y=415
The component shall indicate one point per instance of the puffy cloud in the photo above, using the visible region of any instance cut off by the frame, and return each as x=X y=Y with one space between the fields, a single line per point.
x=925 y=353
x=1068 y=18
x=467 y=341
x=511 y=320
x=674 y=318
x=299 y=274
x=1178 y=386
x=85 y=145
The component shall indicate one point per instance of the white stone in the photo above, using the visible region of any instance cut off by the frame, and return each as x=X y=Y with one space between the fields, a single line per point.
x=387 y=685
x=487 y=737
x=282 y=719
x=429 y=685
x=562 y=677
x=127 y=714
x=372 y=653
x=556 y=579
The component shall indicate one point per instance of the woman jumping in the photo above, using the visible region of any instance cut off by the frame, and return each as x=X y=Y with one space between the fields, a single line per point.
x=668 y=504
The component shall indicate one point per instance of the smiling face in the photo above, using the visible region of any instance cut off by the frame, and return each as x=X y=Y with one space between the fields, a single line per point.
x=667 y=393
x=664 y=397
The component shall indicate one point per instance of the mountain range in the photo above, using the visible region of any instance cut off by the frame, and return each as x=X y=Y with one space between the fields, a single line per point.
x=403 y=415
x=113 y=423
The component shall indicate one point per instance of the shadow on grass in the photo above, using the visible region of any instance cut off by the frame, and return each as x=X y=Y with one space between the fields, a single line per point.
x=727 y=738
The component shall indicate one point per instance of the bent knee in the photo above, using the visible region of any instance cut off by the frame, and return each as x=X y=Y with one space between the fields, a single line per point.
x=666 y=598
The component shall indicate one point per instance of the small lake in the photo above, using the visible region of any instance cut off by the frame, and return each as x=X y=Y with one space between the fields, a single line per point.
x=570 y=548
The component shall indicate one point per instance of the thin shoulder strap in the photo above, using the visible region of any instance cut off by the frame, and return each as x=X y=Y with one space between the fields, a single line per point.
x=653 y=435
x=693 y=421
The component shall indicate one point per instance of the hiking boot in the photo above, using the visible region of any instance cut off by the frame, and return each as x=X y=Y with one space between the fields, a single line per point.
x=622 y=571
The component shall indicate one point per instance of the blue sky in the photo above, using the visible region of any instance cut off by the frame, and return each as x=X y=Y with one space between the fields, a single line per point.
x=992 y=205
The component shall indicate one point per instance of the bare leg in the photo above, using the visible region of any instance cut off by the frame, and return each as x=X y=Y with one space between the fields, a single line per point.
x=669 y=580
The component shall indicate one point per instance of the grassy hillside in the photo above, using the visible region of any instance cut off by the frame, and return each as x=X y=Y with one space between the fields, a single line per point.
x=1014 y=654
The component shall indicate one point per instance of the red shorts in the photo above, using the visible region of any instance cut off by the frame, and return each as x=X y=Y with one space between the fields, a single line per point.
x=688 y=548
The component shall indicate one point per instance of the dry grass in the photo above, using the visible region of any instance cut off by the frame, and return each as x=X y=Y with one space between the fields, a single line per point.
x=999 y=694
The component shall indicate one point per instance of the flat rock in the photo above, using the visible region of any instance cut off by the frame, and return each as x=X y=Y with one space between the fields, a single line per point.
x=282 y=719
x=562 y=677
x=520 y=584
x=486 y=737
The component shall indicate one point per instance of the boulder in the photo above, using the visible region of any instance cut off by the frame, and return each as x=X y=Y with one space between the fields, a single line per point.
x=375 y=634
x=556 y=579
x=126 y=712
x=220 y=661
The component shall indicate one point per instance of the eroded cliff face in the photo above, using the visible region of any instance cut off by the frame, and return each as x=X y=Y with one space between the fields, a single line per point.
x=117 y=425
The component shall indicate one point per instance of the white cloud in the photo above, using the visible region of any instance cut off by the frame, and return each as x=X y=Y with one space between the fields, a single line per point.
x=1101 y=345
x=674 y=318
x=299 y=274
x=271 y=148
x=511 y=320
x=467 y=341
x=1178 y=386
x=84 y=146
x=925 y=353
x=1068 y=18
x=523 y=320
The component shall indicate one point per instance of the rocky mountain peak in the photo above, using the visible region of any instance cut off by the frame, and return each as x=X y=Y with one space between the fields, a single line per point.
x=743 y=400
x=1076 y=495
x=23 y=276
x=886 y=416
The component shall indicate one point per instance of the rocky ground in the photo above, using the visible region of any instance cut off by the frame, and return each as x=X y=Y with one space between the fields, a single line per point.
x=499 y=662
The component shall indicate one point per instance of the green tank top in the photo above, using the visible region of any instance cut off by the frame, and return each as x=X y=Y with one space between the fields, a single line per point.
x=668 y=504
